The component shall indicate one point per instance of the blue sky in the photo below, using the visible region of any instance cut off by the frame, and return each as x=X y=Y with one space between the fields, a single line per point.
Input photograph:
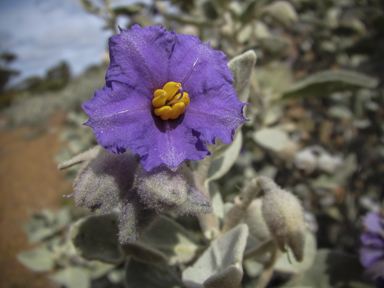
x=43 y=32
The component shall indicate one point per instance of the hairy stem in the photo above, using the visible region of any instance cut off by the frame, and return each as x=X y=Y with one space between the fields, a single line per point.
x=236 y=213
x=267 y=273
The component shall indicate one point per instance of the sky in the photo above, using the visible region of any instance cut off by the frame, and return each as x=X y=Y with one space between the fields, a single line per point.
x=43 y=32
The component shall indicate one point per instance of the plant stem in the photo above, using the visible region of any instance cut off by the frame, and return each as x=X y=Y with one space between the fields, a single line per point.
x=234 y=216
x=267 y=273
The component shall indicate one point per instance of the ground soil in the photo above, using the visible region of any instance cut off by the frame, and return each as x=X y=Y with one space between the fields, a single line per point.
x=29 y=182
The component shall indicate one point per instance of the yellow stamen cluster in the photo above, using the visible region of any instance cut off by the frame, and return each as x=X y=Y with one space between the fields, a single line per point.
x=168 y=103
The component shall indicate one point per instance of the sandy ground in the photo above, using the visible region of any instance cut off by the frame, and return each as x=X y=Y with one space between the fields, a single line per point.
x=29 y=182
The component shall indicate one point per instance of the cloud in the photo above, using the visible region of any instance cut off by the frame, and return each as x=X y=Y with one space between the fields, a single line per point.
x=42 y=33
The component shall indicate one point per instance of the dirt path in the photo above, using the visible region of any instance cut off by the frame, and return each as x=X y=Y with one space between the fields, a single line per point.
x=29 y=181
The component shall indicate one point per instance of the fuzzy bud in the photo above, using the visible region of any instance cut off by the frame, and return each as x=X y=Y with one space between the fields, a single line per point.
x=162 y=189
x=105 y=181
x=284 y=217
x=135 y=219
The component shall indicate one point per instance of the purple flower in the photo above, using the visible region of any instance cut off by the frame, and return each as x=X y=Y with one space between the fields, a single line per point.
x=165 y=96
x=372 y=249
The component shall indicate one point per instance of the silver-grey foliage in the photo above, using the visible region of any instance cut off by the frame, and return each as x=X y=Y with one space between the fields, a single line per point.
x=221 y=263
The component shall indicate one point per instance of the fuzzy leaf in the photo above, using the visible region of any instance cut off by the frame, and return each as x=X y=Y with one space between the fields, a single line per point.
x=170 y=239
x=144 y=253
x=225 y=159
x=217 y=200
x=45 y=224
x=282 y=12
x=39 y=259
x=327 y=82
x=95 y=238
x=271 y=138
x=72 y=277
x=241 y=68
x=128 y=10
x=221 y=264
x=274 y=46
x=142 y=275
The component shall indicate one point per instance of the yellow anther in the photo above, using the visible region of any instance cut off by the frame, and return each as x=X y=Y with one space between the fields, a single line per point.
x=171 y=88
x=164 y=112
x=185 y=99
x=167 y=104
x=177 y=110
x=159 y=101
x=159 y=92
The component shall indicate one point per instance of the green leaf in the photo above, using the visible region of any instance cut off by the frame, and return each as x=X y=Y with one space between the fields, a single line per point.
x=271 y=138
x=282 y=12
x=288 y=264
x=341 y=112
x=144 y=253
x=128 y=10
x=169 y=239
x=142 y=275
x=72 y=277
x=274 y=46
x=46 y=224
x=39 y=259
x=327 y=82
x=241 y=68
x=226 y=156
x=97 y=269
x=95 y=238
x=221 y=264
x=332 y=269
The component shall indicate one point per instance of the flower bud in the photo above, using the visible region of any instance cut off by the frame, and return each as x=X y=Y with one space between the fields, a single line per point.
x=283 y=214
x=135 y=219
x=162 y=186
x=162 y=189
x=104 y=181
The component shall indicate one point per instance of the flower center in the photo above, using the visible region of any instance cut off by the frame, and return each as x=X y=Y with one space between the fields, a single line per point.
x=168 y=103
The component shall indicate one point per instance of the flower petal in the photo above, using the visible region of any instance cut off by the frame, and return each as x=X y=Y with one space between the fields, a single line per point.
x=372 y=222
x=144 y=59
x=372 y=240
x=214 y=109
x=118 y=116
x=140 y=57
x=171 y=143
x=376 y=271
x=369 y=255
x=122 y=120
